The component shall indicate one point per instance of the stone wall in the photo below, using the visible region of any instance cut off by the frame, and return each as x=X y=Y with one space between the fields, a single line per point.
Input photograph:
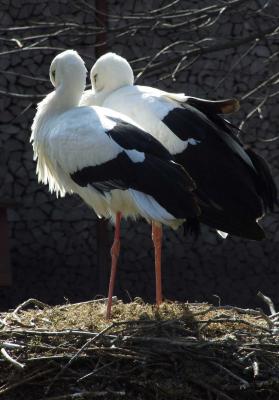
x=54 y=242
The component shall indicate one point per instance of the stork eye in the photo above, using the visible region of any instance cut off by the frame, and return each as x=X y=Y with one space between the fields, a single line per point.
x=95 y=77
x=53 y=74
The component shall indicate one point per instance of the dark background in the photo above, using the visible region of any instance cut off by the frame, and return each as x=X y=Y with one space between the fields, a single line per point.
x=211 y=49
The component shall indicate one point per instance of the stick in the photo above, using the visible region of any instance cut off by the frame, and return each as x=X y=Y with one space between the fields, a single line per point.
x=7 y=345
x=11 y=360
x=244 y=385
x=95 y=371
x=76 y=355
x=255 y=366
x=106 y=394
x=54 y=333
x=212 y=389
x=27 y=303
x=268 y=301
x=101 y=301
x=7 y=388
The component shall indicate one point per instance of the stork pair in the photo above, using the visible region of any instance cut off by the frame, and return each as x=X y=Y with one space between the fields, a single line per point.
x=132 y=151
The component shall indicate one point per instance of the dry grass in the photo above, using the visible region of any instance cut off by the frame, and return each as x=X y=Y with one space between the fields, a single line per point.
x=91 y=316
x=179 y=351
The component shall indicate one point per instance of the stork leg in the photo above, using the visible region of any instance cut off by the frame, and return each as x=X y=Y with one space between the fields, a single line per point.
x=115 y=250
x=157 y=235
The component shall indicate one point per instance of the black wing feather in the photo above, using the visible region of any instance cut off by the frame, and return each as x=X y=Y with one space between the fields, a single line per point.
x=189 y=122
x=264 y=181
x=105 y=177
x=157 y=176
x=213 y=116
x=131 y=138
x=233 y=195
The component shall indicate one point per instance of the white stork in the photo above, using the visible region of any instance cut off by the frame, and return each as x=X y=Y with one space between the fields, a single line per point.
x=234 y=183
x=114 y=166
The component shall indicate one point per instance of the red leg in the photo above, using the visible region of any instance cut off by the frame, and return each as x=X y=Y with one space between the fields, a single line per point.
x=115 y=250
x=157 y=235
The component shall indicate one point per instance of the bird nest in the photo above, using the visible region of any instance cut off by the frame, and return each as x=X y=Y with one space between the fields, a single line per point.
x=179 y=351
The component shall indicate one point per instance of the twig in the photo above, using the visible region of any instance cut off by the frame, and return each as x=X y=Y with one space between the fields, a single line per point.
x=95 y=371
x=233 y=308
x=214 y=365
x=11 y=360
x=183 y=343
x=252 y=112
x=7 y=388
x=195 y=50
x=268 y=301
x=260 y=86
x=38 y=332
x=212 y=389
x=231 y=321
x=22 y=96
x=3 y=322
x=76 y=355
x=95 y=301
x=18 y=74
x=7 y=345
x=55 y=357
x=255 y=366
x=244 y=385
x=274 y=316
x=106 y=394
x=27 y=303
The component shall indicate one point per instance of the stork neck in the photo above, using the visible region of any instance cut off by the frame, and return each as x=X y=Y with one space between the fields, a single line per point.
x=101 y=96
x=67 y=96
x=55 y=103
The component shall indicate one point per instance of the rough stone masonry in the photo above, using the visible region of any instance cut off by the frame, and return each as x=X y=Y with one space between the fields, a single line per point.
x=53 y=242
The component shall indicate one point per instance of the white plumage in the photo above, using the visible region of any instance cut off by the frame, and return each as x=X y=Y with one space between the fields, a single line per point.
x=234 y=183
x=115 y=167
x=145 y=106
x=67 y=138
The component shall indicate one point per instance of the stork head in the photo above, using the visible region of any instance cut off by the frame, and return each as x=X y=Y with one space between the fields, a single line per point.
x=68 y=70
x=111 y=72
